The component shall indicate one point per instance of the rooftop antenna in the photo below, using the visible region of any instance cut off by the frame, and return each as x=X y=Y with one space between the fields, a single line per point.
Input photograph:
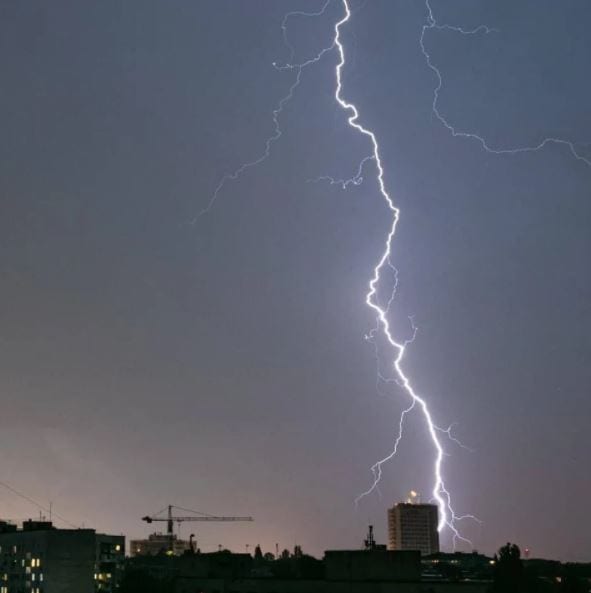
x=370 y=542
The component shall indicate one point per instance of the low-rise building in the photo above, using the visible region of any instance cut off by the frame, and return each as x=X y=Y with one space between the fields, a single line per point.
x=158 y=543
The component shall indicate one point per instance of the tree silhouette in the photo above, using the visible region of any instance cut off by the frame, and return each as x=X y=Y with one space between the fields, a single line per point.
x=258 y=553
x=508 y=573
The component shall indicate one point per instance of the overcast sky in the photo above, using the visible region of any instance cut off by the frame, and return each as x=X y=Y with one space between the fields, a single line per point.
x=222 y=365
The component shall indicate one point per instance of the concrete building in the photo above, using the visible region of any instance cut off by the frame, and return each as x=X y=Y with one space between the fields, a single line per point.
x=413 y=526
x=38 y=558
x=158 y=543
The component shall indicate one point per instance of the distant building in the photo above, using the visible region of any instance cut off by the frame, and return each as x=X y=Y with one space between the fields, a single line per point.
x=413 y=527
x=353 y=571
x=39 y=558
x=348 y=570
x=371 y=570
x=470 y=566
x=158 y=543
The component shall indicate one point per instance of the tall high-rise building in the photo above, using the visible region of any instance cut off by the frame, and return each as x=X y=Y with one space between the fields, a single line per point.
x=413 y=526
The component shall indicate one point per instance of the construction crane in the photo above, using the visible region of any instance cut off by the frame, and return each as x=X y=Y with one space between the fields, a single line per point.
x=171 y=519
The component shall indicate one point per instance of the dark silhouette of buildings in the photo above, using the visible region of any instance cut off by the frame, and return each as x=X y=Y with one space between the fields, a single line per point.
x=341 y=571
x=457 y=566
x=39 y=558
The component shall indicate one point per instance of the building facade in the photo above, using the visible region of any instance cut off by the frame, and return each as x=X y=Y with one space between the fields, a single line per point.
x=158 y=543
x=38 y=558
x=413 y=527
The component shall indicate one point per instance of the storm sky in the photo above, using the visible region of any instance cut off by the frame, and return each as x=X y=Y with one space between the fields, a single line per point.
x=222 y=365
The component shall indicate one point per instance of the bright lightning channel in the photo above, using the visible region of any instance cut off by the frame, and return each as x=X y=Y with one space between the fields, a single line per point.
x=432 y=24
x=442 y=497
x=447 y=516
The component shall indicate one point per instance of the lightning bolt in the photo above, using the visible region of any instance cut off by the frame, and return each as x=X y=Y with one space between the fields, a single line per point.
x=440 y=494
x=292 y=14
x=447 y=516
x=357 y=179
x=277 y=112
x=277 y=133
x=432 y=24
